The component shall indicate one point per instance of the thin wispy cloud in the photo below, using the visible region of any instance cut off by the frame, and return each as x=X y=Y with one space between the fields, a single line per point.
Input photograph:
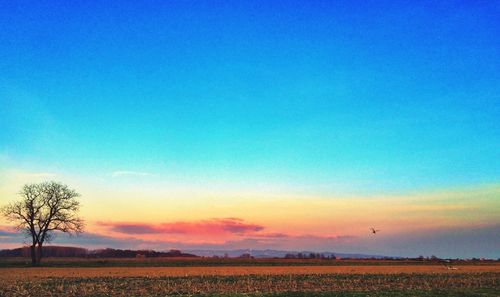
x=125 y=173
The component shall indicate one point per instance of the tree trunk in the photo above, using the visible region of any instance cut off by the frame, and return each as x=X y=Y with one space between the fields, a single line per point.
x=40 y=253
x=33 y=255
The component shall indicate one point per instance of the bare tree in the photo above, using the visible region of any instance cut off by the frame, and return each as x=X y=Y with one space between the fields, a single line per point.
x=43 y=209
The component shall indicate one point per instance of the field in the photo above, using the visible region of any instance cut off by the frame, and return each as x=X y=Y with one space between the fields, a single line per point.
x=139 y=277
x=216 y=262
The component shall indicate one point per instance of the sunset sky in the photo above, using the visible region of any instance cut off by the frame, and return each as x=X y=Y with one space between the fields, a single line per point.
x=259 y=124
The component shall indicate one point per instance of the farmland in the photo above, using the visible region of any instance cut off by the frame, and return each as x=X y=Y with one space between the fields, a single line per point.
x=69 y=277
x=216 y=262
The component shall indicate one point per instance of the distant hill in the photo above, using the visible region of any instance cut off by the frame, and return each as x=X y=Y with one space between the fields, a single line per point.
x=66 y=251
x=279 y=254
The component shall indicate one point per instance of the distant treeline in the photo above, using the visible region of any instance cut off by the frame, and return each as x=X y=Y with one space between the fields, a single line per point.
x=309 y=256
x=112 y=253
x=78 y=252
x=66 y=251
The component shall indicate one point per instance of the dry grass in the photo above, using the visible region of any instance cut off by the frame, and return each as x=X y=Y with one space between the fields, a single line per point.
x=250 y=284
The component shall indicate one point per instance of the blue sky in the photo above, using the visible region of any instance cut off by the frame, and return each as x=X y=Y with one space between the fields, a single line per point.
x=347 y=96
x=302 y=123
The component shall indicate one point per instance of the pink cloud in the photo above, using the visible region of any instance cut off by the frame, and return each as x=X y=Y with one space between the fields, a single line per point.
x=220 y=233
x=134 y=228
x=8 y=231
x=210 y=226
x=275 y=235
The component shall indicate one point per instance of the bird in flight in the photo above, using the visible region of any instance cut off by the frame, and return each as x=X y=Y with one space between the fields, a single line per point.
x=374 y=231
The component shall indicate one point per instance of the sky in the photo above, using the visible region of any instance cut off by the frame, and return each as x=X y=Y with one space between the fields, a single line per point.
x=289 y=125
